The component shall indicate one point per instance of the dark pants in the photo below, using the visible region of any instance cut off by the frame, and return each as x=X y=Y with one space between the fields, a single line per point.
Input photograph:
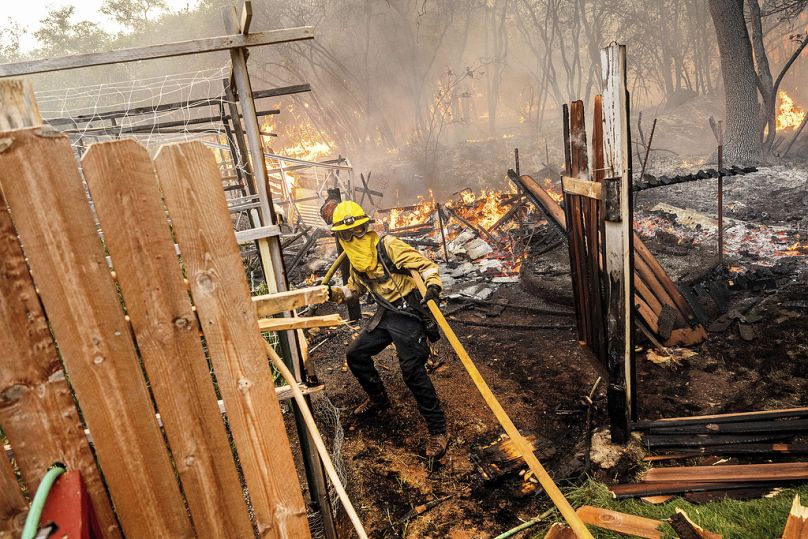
x=407 y=334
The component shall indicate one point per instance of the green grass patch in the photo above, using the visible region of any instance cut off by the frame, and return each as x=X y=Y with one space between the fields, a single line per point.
x=751 y=519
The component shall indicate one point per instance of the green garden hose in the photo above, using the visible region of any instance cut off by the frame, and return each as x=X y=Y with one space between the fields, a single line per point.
x=32 y=520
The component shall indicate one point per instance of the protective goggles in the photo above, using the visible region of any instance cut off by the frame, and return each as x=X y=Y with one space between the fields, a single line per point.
x=351 y=233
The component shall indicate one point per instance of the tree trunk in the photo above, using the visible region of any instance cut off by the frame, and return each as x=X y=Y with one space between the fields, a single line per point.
x=742 y=143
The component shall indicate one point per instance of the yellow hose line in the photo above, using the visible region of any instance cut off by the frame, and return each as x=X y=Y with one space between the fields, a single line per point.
x=318 y=441
x=519 y=441
x=333 y=269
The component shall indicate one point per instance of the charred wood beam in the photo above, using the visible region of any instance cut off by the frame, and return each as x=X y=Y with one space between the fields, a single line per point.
x=636 y=490
x=659 y=441
x=731 y=450
x=787 y=413
x=748 y=427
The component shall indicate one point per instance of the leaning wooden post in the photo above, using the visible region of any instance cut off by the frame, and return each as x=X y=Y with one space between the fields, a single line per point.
x=18 y=107
x=618 y=234
x=272 y=257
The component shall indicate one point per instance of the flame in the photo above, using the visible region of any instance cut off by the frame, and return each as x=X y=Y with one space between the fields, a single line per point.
x=299 y=139
x=790 y=115
x=419 y=215
x=483 y=210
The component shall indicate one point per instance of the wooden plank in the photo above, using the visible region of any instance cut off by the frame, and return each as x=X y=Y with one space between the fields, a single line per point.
x=13 y=507
x=797 y=523
x=584 y=188
x=685 y=528
x=656 y=288
x=799 y=412
x=190 y=182
x=737 y=473
x=577 y=141
x=166 y=50
x=679 y=300
x=647 y=313
x=745 y=427
x=618 y=234
x=129 y=206
x=246 y=16
x=565 y=116
x=635 y=490
x=270 y=304
x=664 y=441
x=284 y=324
x=771 y=450
x=18 y=107
x=598 y=170
x=67 y=262
x=540 y=198
x=555 y=213
x=37 y=413
x=641 y=291
x=252 y=234
x=570 y=217
x=621 y=523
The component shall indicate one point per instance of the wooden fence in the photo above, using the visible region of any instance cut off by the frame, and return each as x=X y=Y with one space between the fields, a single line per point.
x=128 y=339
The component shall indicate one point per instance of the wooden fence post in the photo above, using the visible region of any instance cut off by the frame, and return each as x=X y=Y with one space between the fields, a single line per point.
x=618 y=241
x=37 y=413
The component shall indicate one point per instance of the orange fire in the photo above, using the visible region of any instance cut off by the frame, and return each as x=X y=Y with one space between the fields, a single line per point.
x=299 y=140
x=790 y=115
x=418 y=215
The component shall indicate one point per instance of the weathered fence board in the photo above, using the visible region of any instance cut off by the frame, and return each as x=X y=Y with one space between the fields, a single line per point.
x=124 y=188
x=45 y=194
x=192 y=189
x=618 y=240
x=36 y=409
x=13 y=507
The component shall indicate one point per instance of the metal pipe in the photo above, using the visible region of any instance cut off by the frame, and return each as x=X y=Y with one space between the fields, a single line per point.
x=720 y=193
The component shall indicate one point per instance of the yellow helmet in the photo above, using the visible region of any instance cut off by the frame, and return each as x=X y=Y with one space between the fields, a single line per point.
x=348 y=214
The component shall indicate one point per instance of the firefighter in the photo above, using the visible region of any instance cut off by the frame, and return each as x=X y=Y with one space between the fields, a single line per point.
x=381 y=266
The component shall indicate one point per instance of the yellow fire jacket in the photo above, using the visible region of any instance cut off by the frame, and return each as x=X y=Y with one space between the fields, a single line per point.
x=403 y=256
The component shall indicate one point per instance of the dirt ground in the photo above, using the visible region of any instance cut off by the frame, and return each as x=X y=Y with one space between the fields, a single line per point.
x=540 y=375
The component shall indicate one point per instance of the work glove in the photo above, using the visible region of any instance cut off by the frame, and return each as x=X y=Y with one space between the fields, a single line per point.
x=432 y=292
x=336 y=294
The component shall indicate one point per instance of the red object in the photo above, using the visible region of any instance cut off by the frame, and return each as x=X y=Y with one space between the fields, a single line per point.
x=69 y=507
